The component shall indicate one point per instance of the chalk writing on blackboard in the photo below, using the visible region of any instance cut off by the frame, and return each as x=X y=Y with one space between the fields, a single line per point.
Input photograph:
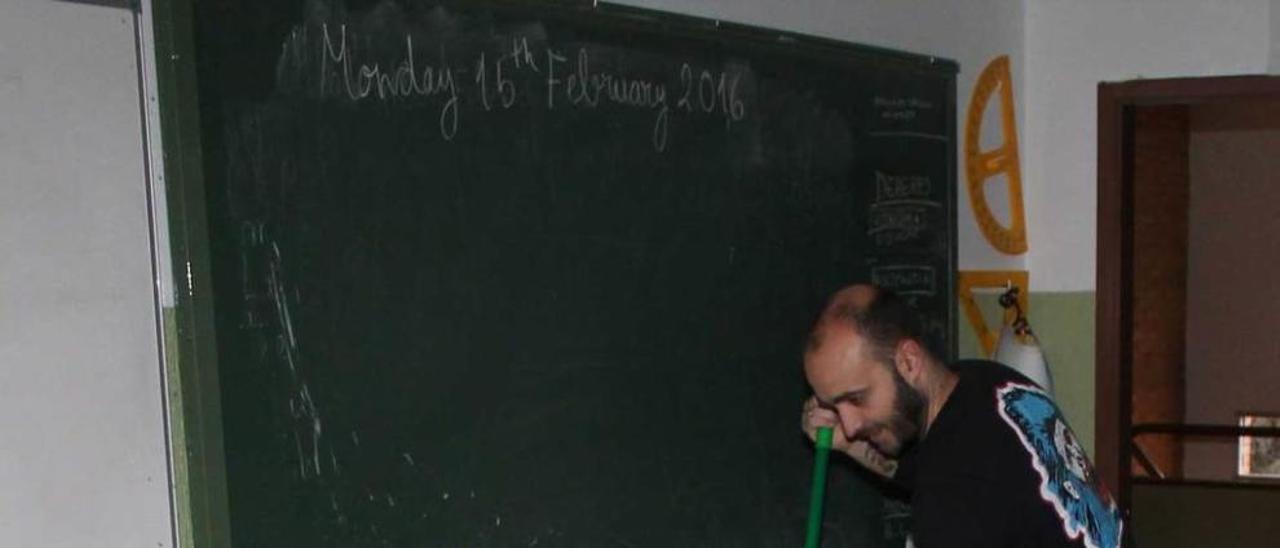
x=902 y=208
x=907 y=279
x=899 y=117
x=902 y=187
x=251 y=237
x=406 y=79
x=899 y=108
x=566 y=77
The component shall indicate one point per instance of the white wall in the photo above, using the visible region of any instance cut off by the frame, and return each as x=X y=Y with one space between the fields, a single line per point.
x=970 y=32
x=1273 y=61
x=82 y=455
x=1071 y=46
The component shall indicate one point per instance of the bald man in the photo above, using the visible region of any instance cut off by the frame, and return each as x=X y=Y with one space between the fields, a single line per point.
x=987 y=456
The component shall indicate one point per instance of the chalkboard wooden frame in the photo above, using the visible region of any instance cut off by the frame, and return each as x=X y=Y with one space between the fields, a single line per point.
x=190 y=354
x=201 y=497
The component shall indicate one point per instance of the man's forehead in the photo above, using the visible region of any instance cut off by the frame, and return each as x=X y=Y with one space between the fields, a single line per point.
x=837 y=338
x=840 y=361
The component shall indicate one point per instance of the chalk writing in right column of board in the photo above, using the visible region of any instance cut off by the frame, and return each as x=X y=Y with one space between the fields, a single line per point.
x=895 y=117
x=902 y=208
x=907 y=279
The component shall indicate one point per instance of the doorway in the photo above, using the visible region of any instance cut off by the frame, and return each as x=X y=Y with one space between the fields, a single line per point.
x=1188 y=243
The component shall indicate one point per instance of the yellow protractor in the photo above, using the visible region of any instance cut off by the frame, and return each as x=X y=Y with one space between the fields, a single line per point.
x=981 y=165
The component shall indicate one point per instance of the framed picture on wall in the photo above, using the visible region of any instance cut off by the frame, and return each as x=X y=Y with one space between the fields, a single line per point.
x=1259 y=455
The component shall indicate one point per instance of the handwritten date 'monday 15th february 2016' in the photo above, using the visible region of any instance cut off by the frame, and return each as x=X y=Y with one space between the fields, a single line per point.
x=565 y=79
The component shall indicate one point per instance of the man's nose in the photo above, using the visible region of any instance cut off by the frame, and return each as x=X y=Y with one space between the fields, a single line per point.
x=850 y=421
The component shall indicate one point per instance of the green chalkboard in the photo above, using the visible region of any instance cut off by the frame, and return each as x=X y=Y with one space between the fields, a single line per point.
x=540 y=275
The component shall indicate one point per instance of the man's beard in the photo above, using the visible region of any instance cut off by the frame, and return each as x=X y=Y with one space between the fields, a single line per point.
x=908 y=412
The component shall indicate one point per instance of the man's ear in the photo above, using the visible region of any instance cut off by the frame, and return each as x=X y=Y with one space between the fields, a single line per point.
x=909 y=358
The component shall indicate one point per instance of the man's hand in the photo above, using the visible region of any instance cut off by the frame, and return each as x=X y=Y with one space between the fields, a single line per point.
x=813 y=416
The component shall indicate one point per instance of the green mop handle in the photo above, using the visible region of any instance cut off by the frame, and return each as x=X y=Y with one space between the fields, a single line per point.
x=817 y=493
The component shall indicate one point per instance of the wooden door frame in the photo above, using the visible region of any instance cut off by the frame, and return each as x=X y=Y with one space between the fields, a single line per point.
x=1114 y=298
